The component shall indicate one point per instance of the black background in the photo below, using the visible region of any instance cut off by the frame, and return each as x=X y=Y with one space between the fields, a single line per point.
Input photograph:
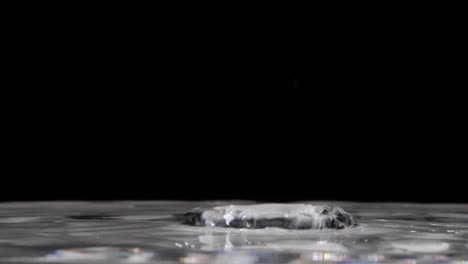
x=365 y=104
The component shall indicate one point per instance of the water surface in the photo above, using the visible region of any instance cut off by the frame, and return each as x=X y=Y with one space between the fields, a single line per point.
x=147 y=232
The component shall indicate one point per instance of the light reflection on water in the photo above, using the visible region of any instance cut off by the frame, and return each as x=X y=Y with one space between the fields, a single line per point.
x=146 y=232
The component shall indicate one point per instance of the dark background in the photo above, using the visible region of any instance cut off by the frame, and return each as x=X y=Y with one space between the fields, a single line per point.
x=364 y=104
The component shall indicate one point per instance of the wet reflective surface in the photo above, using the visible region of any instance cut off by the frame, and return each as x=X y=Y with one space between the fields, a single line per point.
x=147 y=232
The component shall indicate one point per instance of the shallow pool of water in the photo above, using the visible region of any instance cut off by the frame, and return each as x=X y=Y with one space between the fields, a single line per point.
x=147 y=232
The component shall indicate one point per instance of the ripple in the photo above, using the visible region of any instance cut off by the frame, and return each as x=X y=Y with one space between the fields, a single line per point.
x=417 y=246
x=18 y=220
x=301 y=245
